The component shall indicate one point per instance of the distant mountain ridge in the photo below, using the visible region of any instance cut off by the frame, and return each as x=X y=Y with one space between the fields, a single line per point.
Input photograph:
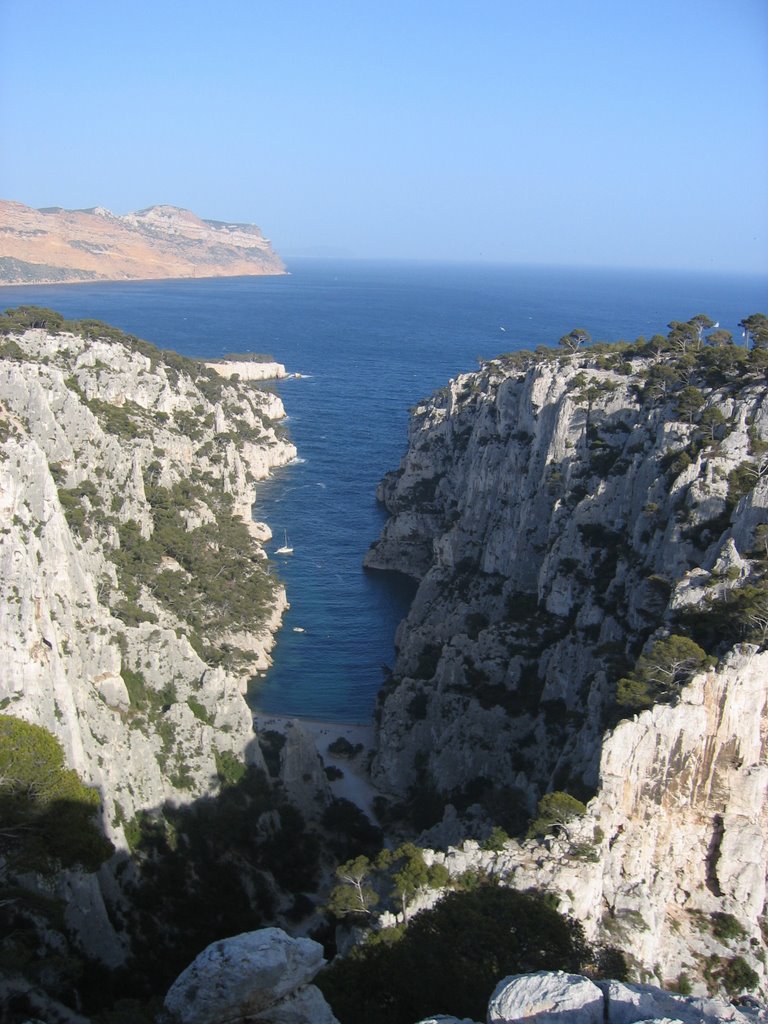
x=57 y=246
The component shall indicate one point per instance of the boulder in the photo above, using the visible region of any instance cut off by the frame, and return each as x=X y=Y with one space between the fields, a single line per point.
x=630 y=1004
x=257 y=976
x=546 y=997
x=441 y=1018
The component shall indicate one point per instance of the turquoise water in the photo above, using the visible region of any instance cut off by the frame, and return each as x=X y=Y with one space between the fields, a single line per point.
x=372 y=339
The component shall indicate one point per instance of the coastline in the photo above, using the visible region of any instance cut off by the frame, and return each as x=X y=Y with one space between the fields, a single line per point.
x=355 y=784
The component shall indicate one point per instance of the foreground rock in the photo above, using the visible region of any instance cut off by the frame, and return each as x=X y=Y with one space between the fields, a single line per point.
x=59 y=246
x=261 y=976
x=557 y=998
x=546 y=998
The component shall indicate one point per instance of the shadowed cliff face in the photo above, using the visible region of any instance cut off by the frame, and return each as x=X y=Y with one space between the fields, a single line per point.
x=59 y=246
x=561 y=512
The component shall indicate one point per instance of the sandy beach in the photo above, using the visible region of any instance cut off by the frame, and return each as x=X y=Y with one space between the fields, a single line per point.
x=354 y=785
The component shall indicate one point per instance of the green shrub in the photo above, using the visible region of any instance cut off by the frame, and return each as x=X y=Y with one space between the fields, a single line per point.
x=229 y=768
x=49 y=815
x=726 y=927
x=554 y=812
x=659 y=675
x=450 y=958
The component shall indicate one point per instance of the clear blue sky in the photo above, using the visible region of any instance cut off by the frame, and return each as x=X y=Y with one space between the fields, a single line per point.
x=590 y=132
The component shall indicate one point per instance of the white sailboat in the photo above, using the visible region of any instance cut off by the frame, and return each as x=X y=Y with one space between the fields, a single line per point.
x=286 y=549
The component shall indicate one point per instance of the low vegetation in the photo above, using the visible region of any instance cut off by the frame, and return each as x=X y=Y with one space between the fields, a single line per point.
x=449 y=959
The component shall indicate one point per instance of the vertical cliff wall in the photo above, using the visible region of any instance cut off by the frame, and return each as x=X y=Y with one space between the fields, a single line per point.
x=589 y=536
x=560 y=512
x=135 y=601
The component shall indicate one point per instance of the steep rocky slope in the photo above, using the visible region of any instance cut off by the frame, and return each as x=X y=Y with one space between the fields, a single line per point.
x=55 y=245
x=589 y=535
x=560 y=512
x=135 y=599
x=669 y=861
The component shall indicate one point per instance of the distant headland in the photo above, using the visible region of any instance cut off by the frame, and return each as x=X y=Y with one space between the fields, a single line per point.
x=56 y=246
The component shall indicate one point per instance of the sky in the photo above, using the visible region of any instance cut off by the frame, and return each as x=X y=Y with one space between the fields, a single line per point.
x=566 y=132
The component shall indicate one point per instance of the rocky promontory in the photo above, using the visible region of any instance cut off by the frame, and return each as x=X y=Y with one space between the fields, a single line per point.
x=56 y=246
x=589 y=534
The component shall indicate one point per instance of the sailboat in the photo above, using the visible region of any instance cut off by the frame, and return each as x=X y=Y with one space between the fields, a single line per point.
x=286 y=549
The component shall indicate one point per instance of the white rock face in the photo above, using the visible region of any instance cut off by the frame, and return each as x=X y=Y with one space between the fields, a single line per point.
x=248 y=370
x=257 y=976
x=546 y=997
x=548 y=542
x=552 y=539
x=626 y=1004
x=443 y=1018
x=87 y=427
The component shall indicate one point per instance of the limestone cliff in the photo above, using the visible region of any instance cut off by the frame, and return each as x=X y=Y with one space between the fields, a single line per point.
x=560 y=512
x=673 y=849
x=568 y=517
x=57 y=246
x=135 y=599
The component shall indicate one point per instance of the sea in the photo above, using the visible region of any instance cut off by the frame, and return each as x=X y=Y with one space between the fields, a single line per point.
x=369 y=340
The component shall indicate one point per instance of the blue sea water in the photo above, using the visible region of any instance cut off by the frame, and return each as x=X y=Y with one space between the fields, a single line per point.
x=370 y=339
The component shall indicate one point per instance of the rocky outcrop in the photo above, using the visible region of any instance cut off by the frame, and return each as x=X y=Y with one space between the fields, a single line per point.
x=134 y=604
x=58 y=246
x=669 y=861
x=546 y=998
x=559 y=513
x=248 y=369
x=262 y=976
x=563 y=514
x=558 y=998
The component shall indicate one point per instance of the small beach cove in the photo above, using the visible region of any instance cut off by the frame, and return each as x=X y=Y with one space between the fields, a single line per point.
x=354 y=784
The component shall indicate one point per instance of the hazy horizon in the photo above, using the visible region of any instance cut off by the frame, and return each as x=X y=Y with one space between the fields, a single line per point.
x=589 y=133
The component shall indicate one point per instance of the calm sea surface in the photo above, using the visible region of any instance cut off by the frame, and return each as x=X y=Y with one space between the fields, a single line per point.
x=370 y=340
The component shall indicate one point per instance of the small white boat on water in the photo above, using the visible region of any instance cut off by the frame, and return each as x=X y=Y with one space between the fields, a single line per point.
x=286 y=549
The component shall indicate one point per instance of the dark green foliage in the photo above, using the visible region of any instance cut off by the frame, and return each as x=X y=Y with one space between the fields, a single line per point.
x=726 y=927
x=739 y=614
x=497 y=840
x=229 y=768
x=659 y=675
x=271 y=743
x=222 y=585
x=755 y=327
x=575 y=339
x=11 y=350
x=450 y=958
x=351 y=833
x=609 y=962
x=24 y=318
x=553 y=813
x=49 y=816
x=734 y=974
x=205 y=870
x=341 y=747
